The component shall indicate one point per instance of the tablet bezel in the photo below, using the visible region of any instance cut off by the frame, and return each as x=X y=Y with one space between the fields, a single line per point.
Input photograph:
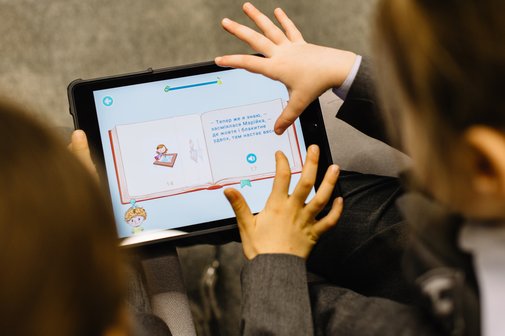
x=84 y=113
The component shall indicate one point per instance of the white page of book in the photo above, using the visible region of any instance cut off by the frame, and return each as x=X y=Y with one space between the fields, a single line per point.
x=241 y=142
x=180 y=135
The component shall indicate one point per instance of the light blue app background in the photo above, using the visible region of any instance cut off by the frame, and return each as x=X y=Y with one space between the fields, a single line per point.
x=178 y=97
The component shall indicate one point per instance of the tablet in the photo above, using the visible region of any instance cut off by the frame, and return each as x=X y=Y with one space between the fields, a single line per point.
x=169 y=140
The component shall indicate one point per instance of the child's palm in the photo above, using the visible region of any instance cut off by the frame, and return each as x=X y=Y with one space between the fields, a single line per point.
x=307 y=70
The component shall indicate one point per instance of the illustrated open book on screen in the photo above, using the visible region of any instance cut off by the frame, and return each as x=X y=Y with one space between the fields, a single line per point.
x=213 y=149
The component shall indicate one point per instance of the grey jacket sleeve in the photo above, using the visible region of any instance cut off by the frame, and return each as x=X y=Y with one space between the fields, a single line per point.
x=361 y=108
x=339 y=311
x=276 y=301
x=275 y=296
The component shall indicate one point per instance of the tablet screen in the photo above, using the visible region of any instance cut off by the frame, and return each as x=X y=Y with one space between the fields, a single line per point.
x=170 y=146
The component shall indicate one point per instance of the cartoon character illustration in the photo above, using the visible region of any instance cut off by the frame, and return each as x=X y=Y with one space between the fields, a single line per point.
x=163 y=158
x=134 y=217
x=161 y=149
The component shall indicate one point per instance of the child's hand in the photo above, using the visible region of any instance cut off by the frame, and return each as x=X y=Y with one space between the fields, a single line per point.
x=287 y=225
x=79 y=146
x=307 y=70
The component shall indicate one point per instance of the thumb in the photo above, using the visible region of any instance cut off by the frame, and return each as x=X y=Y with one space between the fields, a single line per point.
x=240 y=207
x=295 y=107
x=80 y=148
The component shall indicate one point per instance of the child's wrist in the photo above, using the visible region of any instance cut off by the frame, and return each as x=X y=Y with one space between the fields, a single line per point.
x=341 y=67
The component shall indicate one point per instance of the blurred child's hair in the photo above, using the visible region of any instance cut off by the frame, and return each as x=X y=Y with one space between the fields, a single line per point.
x=444 y=61
x=59 y=261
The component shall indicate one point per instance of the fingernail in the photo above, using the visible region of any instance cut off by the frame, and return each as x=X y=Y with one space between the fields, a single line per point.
x=79 y=134
x=335 y=169
x=247 y=5
x=340 y=200
x=314 y=149
x=229 y=195
x=279 y=130
x=225 y=21
x=217 y=59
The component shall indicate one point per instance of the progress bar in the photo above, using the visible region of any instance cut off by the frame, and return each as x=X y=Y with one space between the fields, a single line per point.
x=175 y=88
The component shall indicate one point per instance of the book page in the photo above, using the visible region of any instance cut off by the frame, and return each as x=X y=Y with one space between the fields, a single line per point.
x=242 y=144
x=162 y=156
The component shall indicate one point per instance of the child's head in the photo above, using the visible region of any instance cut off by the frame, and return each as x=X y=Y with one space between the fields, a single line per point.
x=59 y=264
x=161 y=149
x=442 y=66
x=135 y=216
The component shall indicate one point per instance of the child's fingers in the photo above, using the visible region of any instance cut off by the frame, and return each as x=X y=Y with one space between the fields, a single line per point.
x=308 y=178
x=265 y=24
x=250 y=63
x=240 y=207
x=79 y=146
x=292 y=32
x=255 y=40
x=328 y=221
x=282 y=178
x=324 y=192
x=295 y=107
x=79 y=143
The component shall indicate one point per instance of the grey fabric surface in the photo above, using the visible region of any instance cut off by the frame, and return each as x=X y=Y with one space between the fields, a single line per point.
x=275 y=296
x=277 y=303
x=194 y=261
x=163 y=274
x=339 y=311
x=137 y=295
x=163 y=279
x=173 y=309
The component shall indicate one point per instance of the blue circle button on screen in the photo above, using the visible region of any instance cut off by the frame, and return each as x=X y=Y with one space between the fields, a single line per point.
x=251 y=158
x=107 y=101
